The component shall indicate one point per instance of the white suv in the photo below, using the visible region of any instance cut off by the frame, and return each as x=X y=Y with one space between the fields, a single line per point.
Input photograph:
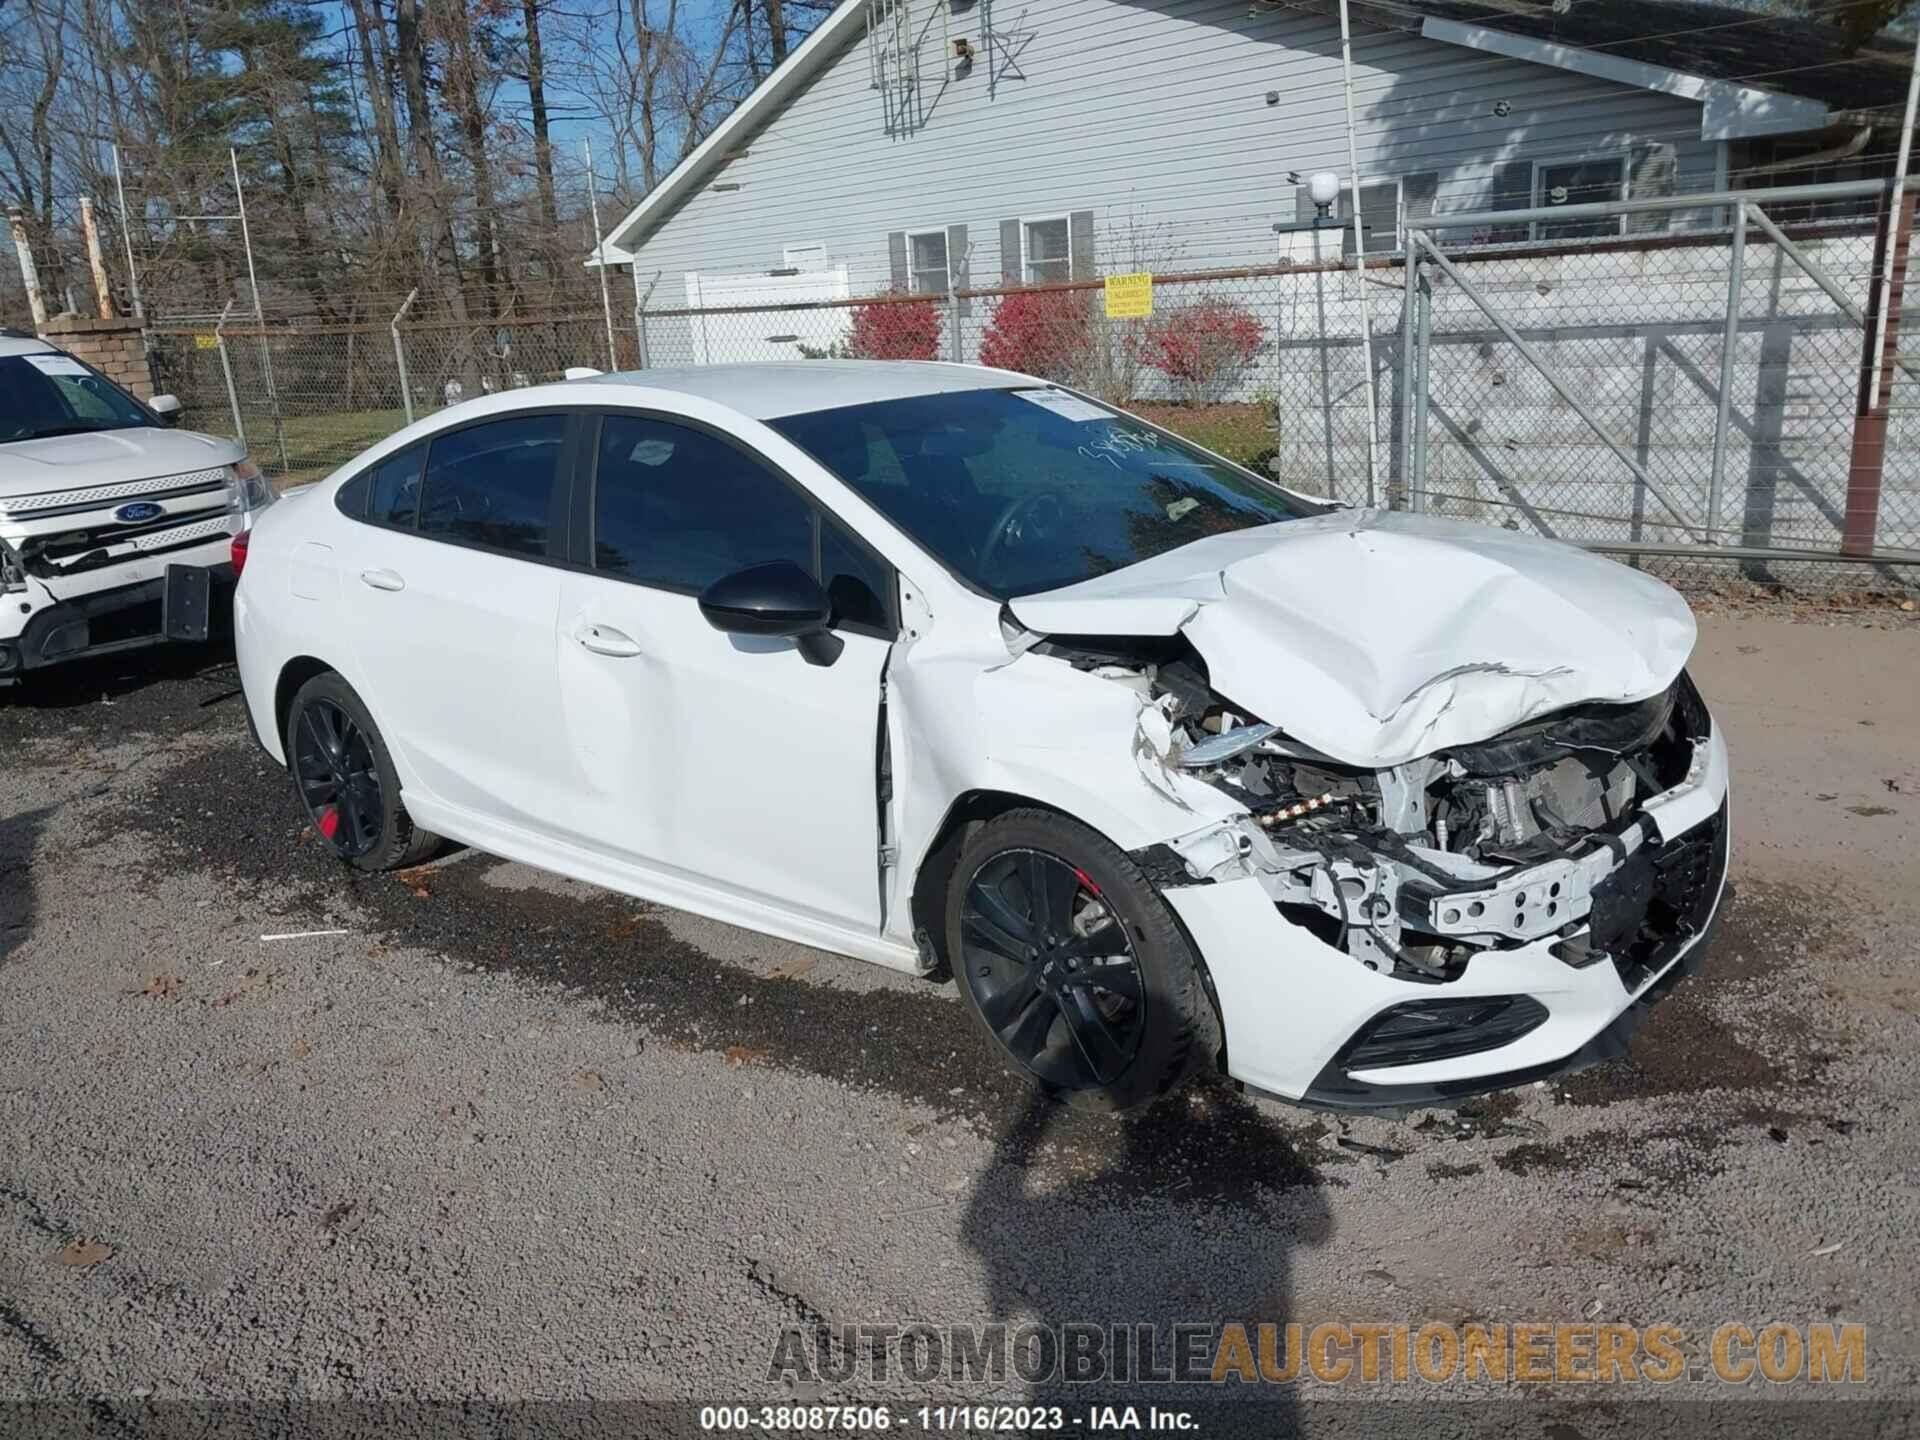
x=113 y=526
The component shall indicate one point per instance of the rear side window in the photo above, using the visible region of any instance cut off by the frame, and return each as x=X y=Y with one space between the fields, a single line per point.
x=387 y=493
x=678 y=508
x=394 y=492
x=492 y=484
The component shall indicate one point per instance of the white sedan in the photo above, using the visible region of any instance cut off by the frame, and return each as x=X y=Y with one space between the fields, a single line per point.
x=956 y=671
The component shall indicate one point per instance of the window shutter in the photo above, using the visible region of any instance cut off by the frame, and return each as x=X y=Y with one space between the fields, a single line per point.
x=1080 y=243
x=959 y=265
x=1010 y=252
x=1512 y=190
x=1417 y=193
x=897 y=260
x=1652 y=170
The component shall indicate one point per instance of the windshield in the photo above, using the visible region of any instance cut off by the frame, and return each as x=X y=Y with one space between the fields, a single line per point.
x=54 y=394
x=1018 y=491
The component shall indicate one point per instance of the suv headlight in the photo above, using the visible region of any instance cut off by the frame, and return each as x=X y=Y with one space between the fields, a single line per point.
x=247 y=489
x=13 y=577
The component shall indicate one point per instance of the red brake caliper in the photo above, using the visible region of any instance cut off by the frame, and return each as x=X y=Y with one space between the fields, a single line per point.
x=330 y=821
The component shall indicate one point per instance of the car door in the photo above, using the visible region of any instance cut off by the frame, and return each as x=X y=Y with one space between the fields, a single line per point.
x=450 y=588
x=733 y=761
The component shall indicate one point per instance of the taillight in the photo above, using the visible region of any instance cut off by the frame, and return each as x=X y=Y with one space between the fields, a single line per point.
x=238 y=551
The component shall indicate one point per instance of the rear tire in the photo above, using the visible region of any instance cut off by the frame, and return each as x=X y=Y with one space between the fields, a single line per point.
x=345 y=778
x=1073 y=966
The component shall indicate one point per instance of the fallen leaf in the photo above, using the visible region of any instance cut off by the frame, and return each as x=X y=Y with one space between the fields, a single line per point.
x=301 y=1049
x=418 y=880
x=162 y=987
x=589 y=1080
x=738 y=1055
x=624 y=929
x=331 y=1220
x=793 y=969
x=82 y=1252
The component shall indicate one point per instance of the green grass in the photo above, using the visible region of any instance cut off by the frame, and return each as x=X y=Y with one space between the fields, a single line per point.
x=316 y=444
x=1240 y=432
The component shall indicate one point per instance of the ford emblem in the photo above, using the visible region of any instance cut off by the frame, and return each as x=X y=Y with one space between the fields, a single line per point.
x=140 y=510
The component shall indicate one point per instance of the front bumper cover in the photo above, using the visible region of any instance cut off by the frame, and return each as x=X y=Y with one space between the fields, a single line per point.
x=1292 y=1005
x=174 y=606
x=1699 y=861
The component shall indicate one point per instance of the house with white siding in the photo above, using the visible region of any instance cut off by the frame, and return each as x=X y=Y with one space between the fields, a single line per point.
x=941 y=145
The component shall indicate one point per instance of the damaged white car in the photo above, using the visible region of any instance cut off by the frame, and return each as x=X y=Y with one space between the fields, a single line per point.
x=953 y=670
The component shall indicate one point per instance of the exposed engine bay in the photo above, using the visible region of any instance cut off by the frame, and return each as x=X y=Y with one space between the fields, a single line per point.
x=1533 y=834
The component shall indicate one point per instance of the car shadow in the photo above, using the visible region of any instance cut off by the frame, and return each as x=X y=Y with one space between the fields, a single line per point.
x=89 y=680
x=18 y=834
x=1130 y=1230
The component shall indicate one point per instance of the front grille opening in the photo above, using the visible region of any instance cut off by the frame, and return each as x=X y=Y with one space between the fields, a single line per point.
x=1416 y=1031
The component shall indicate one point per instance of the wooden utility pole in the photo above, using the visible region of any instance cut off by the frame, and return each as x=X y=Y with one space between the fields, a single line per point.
x=1869 y=459
x=102 y=291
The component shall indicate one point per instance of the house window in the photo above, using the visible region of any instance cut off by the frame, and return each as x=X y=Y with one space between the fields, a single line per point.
x=927 y=262
x=1588 y=180
x=1046 y=255
x=1379 y=217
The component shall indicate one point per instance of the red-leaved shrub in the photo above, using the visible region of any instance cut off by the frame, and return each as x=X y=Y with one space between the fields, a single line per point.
x=1203 y=347
x=895 y=330
x=1040 y=332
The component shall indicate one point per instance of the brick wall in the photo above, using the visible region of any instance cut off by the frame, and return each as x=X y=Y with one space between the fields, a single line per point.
x=114 y=347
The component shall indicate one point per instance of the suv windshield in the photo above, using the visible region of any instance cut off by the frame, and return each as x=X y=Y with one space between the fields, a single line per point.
x=1018 y=491
x=54 y=394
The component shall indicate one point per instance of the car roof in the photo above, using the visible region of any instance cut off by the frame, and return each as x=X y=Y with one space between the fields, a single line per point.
x=776 y=388
x=14 y=342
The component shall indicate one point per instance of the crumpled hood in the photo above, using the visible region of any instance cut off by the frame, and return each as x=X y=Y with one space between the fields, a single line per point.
x=109 y=457
x=1381 y=636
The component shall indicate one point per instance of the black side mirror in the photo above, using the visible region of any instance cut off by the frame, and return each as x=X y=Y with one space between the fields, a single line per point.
x=776 y=599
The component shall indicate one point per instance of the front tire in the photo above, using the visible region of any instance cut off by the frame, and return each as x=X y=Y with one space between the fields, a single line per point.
x=346 y=780
x=1072 y=963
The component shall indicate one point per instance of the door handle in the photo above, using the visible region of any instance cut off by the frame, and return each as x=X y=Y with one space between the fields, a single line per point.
x=382 y=580
x=605 y=640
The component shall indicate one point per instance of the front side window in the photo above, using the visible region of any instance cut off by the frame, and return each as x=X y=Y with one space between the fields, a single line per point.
x=678 y=508
x=927 y=261
x=1049 y=259
x=1019 y=491
x=1587 y=181
x=492 y=484
x=49 y=394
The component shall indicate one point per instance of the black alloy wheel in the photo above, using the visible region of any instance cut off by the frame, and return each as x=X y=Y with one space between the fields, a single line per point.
x=1051 y=970
x=339 y=780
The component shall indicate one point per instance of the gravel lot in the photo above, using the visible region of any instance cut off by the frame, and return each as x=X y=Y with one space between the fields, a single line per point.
x=508 y=1137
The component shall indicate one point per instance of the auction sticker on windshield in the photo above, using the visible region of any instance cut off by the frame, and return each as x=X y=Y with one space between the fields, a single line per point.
x=56 y=365
x=1067 y=407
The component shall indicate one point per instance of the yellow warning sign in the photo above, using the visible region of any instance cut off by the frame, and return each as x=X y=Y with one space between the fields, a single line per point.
x=206 y=342
x=1129 y=297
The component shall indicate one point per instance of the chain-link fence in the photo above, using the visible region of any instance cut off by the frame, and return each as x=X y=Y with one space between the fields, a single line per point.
x=1690 y=397
x=309 y=398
